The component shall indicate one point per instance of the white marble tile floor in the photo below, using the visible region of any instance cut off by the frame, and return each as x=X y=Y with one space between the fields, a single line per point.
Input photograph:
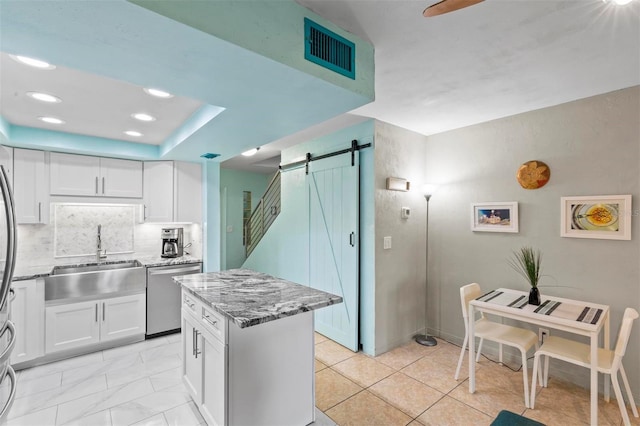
x=138 y=384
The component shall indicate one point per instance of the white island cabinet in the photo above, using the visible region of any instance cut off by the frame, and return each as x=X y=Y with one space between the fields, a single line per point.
x=248 y=347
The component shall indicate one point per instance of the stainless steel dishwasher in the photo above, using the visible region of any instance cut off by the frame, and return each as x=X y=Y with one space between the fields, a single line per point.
x=163 y=297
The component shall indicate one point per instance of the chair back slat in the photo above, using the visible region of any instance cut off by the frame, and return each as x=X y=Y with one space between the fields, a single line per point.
x=630 y=315
x=467 y=294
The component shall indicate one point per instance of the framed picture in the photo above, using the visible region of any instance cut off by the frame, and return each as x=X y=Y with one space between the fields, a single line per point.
x=494 y=217
x=602 y=216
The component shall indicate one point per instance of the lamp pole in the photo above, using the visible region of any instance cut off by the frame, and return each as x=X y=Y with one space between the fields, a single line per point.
x=425 y=339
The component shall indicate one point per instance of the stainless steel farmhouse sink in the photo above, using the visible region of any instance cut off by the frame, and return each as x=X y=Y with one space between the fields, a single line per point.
x=94 y=281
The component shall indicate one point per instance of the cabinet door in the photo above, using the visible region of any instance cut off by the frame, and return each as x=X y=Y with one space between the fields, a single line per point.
x=120 y=178
x=158 y=191
x=71 y=326
x=27 y=314
x=191 y=359
x=122 y=317
x=214 y=393
x=30 y=186
x=188 y=193
x=74 y=174
x=6 y=160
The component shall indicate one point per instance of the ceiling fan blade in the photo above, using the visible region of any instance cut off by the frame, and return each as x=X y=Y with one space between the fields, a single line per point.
x=446 y=6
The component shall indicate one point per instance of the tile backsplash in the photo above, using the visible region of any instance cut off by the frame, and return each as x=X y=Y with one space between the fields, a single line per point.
x=71 y=235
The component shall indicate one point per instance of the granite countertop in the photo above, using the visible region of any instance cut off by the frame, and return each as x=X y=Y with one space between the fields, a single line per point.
x=250 y=298
x=41 y=271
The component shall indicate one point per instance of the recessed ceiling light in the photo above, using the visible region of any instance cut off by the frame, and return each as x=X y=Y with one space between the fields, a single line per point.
x=143 y=117
x=158 y=93
x=32 y=62
x=251 y=152
x=44 y=97
x=133 y=133
x=51 y=120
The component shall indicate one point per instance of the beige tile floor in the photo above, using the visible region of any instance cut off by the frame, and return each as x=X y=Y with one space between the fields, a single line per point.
x=414 y=385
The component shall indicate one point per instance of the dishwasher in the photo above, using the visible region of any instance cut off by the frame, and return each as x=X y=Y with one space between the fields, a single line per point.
x=164 y=298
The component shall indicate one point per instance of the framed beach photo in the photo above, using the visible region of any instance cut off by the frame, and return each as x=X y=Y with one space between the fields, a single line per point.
x=494 y=217
x=601 y=216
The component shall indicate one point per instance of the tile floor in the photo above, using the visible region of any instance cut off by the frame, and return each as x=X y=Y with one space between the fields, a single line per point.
x=413 y=385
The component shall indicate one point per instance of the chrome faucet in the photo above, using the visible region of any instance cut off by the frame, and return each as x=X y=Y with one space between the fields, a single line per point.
x=99 y=254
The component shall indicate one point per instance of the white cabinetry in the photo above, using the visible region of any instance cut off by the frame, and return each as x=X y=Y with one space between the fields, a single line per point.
x=27 y=314
x=172 y=191
x=80 y=324
x=81 y=175
x=6 y=160
x=268 y=367
x=30 y=186
x=158 y=191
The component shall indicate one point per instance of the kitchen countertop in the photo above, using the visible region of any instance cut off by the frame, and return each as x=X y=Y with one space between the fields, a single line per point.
x=41 y=271
x=250 y=298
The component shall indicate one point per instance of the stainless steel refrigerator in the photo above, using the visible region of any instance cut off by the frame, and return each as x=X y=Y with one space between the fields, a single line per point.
x=7 y=264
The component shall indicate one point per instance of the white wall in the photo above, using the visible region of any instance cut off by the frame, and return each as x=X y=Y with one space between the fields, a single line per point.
x=400 y=271
x=593 y=148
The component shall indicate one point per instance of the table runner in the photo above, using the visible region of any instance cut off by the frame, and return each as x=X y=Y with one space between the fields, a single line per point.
x=580 y=313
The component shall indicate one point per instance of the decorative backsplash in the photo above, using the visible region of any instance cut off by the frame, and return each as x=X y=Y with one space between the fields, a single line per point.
x=48 y=244
x=76 y=229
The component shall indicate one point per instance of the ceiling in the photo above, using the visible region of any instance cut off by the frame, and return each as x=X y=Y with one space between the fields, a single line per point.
x=491 y=60
x=91 y=104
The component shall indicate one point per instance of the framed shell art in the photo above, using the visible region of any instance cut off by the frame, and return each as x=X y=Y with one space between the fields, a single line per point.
x=603 y=217
x=494 y=217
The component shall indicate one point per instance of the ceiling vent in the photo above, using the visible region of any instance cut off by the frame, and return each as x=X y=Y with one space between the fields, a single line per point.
x=209 y=155
x=328 y=49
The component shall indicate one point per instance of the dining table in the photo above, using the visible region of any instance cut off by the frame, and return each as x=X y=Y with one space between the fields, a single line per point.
x=571 y=316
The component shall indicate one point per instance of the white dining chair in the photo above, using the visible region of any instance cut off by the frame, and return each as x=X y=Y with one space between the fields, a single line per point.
x=609 y=361
x=502 y=334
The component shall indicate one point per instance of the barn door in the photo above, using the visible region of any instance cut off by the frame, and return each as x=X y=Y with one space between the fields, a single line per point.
x=333 y=186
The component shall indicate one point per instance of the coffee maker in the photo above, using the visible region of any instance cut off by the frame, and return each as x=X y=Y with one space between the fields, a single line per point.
x=172 y=242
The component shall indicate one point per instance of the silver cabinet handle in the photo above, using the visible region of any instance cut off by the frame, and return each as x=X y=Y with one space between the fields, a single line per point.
x=5 y=410
x=104 y=311
x=178 y=270
x=96 y=185
x=352 y=239
x=193 y=341
x=103 y=186
x=39 y=211
x=197 y=351
x=144 y=214
x=12 y=295
x=208 y=319
x=96 y=312
x=12 y=342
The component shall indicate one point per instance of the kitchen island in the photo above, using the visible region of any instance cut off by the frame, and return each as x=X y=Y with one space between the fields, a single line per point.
x=248 y=347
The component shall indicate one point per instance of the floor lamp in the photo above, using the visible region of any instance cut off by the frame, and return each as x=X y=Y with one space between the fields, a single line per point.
x=425 y=339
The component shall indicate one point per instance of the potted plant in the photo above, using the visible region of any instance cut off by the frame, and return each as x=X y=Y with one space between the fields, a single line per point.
x=527 y=262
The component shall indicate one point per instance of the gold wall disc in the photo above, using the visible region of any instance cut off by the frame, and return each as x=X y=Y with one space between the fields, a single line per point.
x=533 y=174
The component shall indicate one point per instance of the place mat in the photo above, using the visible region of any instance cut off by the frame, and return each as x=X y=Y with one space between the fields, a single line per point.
x=580 y=313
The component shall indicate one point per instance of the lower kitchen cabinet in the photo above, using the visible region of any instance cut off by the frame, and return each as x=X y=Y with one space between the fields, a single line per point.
x=27 y=314
x=75 y=325
x=256 y=375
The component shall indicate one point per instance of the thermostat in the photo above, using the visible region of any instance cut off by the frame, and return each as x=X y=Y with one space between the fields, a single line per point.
x=405 y=212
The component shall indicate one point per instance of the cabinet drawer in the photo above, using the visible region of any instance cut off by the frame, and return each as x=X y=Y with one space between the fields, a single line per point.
x=190 y=303
x=215 y=323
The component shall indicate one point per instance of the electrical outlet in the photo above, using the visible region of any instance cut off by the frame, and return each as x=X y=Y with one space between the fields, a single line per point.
x=542 y=333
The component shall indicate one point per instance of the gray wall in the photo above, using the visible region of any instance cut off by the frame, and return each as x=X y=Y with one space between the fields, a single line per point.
x=593 y=148
x=400 y=271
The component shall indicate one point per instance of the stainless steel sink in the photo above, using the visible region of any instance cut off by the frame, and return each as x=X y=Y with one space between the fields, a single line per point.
x=63 y=270
x=69 y=283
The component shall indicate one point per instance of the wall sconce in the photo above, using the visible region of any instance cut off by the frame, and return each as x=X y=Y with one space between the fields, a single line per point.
x=398 y=184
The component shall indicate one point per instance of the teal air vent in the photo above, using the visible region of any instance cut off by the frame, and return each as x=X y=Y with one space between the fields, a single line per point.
x=328 y=49
x=209 y=155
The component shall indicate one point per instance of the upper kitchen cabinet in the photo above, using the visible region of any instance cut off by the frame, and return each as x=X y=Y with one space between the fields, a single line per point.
x=82 y=175
x=172 y=191
x=30 y=186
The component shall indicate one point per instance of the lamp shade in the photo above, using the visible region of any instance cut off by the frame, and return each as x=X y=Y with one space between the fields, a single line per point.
x=428 y=189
